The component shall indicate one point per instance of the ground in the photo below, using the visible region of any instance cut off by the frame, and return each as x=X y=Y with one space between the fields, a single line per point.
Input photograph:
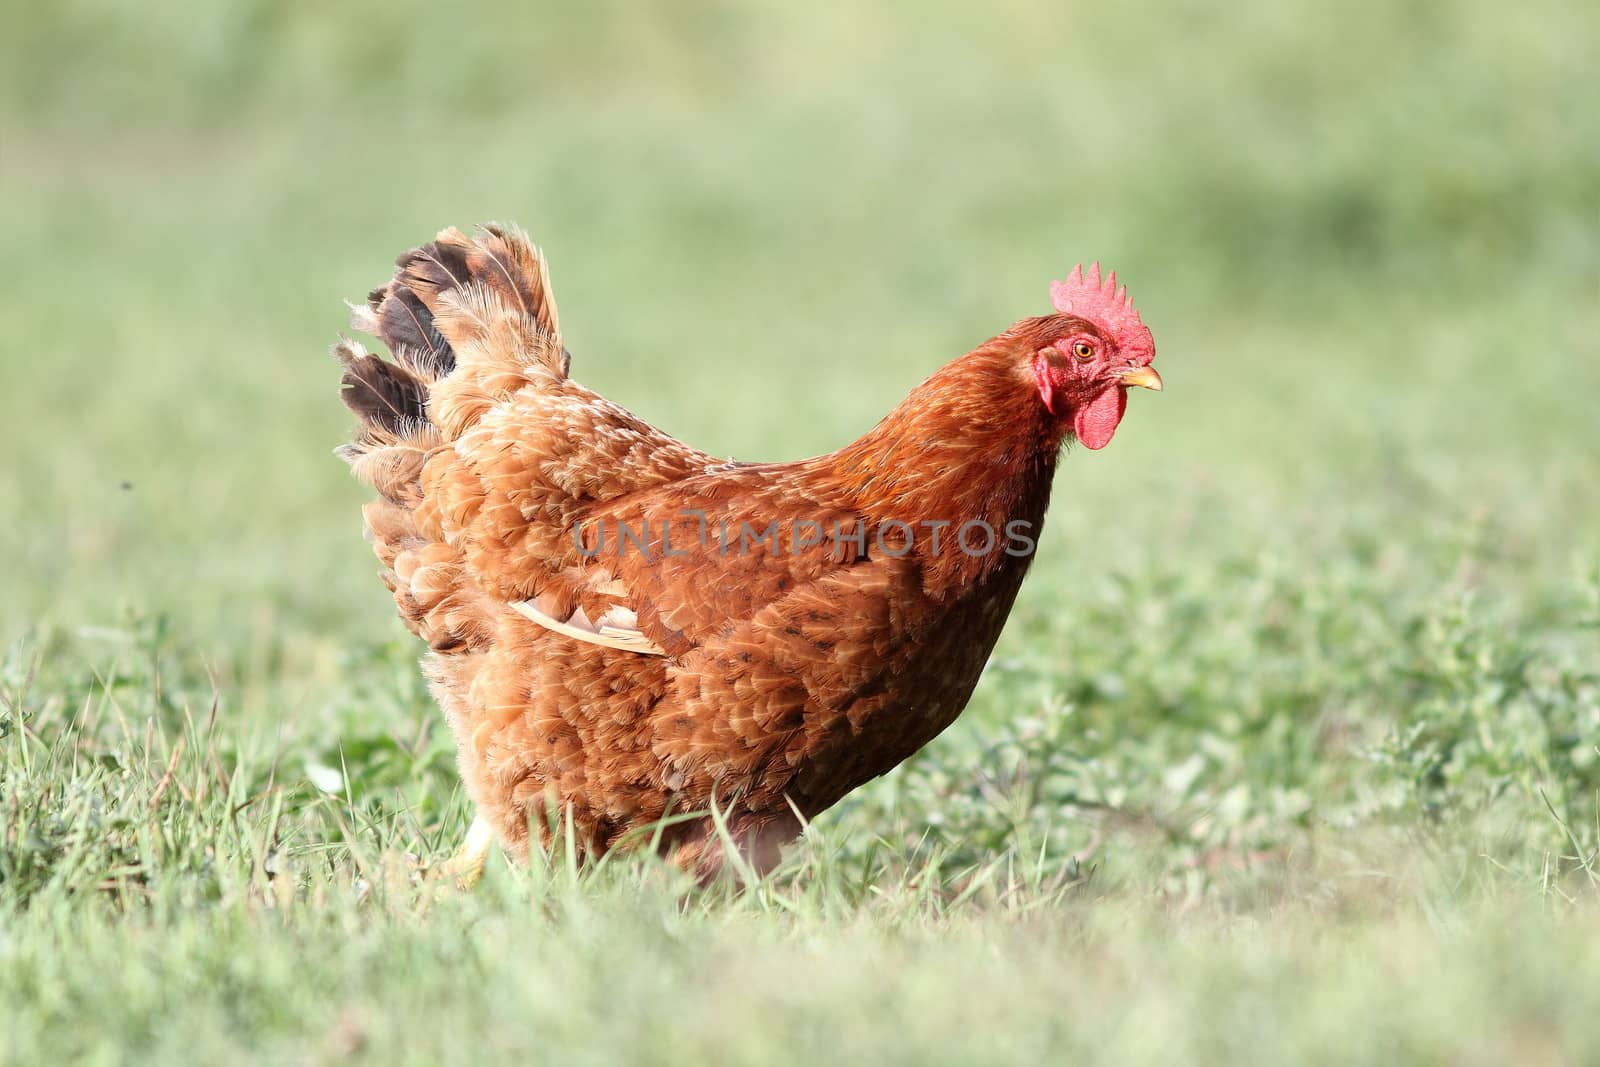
x=1290 y=752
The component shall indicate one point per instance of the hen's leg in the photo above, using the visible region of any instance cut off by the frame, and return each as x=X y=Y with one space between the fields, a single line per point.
x=759 y=839
x=466 y=866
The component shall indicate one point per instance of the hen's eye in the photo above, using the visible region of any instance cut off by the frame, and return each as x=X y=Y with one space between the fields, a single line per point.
x=1083 y=350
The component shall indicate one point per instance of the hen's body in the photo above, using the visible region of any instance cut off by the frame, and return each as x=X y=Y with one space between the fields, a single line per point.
x=605 y=681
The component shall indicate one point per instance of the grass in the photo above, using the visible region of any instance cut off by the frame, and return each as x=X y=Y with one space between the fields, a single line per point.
x=1291 y=751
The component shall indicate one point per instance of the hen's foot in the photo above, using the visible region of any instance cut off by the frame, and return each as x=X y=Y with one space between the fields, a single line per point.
x=465 y=868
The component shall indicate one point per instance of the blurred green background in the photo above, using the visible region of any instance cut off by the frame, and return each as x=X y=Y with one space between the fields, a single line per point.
x=1365 y=238
x=1327 y=604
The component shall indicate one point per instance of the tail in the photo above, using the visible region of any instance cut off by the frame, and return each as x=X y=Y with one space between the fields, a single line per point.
x=490 y=295
x=468 y=321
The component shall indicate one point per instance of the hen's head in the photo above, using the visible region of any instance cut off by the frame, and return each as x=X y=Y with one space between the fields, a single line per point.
x=1087 y=356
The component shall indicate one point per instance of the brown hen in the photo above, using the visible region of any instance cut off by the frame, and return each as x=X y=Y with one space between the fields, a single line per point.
x=623 y=628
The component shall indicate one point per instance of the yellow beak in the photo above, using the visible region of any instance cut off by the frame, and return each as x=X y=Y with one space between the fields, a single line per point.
x=1142 y=376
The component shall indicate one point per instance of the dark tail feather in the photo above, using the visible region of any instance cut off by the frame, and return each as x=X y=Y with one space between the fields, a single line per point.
x=385 y=396
x=500 y=259
x=396 y=437
x=396 y=316
x=391 y=398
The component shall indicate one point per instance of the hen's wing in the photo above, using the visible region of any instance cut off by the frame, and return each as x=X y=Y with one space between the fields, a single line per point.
x=785 y=619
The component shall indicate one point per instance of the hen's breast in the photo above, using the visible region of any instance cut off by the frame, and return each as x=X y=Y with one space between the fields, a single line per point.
x=928 y=677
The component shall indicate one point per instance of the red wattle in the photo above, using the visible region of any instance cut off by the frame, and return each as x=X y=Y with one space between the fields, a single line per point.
x=1096 y=421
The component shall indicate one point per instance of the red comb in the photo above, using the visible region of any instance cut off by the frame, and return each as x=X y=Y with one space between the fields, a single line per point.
x=1110 y=308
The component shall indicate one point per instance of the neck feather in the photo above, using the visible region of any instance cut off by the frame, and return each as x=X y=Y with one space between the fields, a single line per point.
x=973 y=442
